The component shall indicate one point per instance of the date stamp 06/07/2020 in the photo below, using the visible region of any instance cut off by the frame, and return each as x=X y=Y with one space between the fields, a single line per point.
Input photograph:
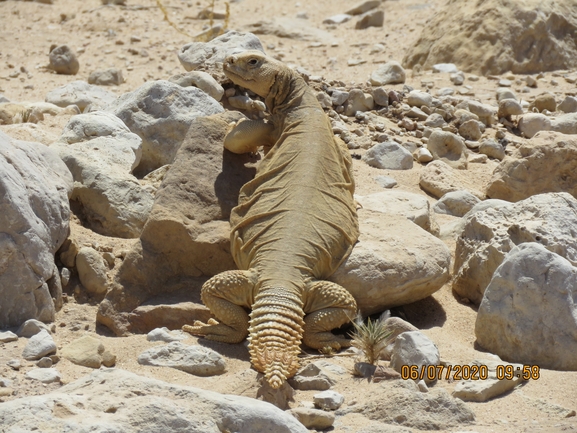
x=469 y=372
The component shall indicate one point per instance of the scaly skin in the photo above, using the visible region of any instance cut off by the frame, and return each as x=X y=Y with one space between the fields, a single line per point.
x=295 y=223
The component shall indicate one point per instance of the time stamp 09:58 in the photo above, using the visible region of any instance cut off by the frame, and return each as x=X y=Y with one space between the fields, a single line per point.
x=468 y=372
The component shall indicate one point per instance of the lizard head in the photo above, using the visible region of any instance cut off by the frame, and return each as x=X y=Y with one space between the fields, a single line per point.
x=261 y=74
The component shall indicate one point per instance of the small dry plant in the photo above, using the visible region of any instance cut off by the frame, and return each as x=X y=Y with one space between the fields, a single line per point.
x=370 y=337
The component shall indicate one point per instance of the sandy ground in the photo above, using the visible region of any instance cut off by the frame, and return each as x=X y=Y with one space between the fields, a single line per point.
x=101 y=35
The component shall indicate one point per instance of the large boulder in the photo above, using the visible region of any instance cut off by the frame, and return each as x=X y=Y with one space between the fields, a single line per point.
x=529 y=311
x=546 y=163
x=101 y=153
x=160 y=112
x=114 y=400
x=394 y=263
x=488 y=235
x=34 y=218
x=187 y=235
x=497 y=36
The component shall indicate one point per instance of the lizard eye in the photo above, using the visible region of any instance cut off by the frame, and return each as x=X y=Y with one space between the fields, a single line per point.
x=252 y=62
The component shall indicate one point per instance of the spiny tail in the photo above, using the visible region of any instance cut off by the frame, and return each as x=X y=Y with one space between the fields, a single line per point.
x=275 y=334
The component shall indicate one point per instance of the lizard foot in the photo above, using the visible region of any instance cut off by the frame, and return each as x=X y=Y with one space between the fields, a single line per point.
x=213 y=330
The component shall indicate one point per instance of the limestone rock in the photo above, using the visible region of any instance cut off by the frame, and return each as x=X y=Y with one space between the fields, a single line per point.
x=88 y=352
x=81 y=94
x=414 y=207
x=456 y=203
x=363 y=6
x=371 y=19
x=38 y=346
x=92 y=271
x=416 y=98
x=311 y=377
x=395 y=326
x=394 y=263
x=492 y=149
x=565 y=124
x=438 y=178
x=423 y=155
x=389 y=155
x=471 y=130
x=101 y=152
x=415 y=348
x=569 y=105
x=532 y=123
x=163 y=334
x=44 y=375
x=389 y=73
x=358 y=101
x=490 y=234
x=547 y=163
x=187 y=234
x=449 y=148
x=313 y=418
x=161 y=126
x=463 y=32
x=34 y=189
x=98 y=401
x=328 y=400
x=485 y=389
x=63 y=60
x=211 y=55
x=197 y=360
x=290 y=28
x=106 y=77
x=202 y=80
x=528 y=314
x=7 y=337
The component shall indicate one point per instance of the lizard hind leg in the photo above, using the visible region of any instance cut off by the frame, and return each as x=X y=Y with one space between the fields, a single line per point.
x=328 y=306
x=226 y=295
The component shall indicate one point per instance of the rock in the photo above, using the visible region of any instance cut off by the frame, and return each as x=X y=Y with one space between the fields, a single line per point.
x=545 y=101
x=389 y=155
x=417 y=113
x=358 y=101
x=446 y=68
x=162 y=127
x=337 y=19
x=44 y=362
x=311 y=377
x=394 y=263
x=89 y=352
x=81 y=94
x=457 y=78
x=389 y=73
x=92 y=271
x=531 y=81
x=31 y=327
x=371 y=19
x=485 y=389
x=416 y=98
x=202 y=80
x=423 y=155
x=485 y=112
x=472 y=43
x=44 y=375
x=448 y=148
x=395 y=326
x=339 y=97
x=415 y=348
x=544 y=164
x=313 y=418
x=163 y=334
x=527 y=314
x=408 y=407
x=106 y=77
x=492 y=149
x=531 y=123
x=101 y=152
x=38 y=346
x=328 y=400
x=98 y=402
x=210 y=55
x=415 y=207
x=569 y=105
x=471 y=130
x=386 y=181
x=565 y=124
x=504 y=93
x=456 y=203
x=7 y=337
x=291 y=28
x=435 y=120
x=34 y=221
x=508 y=108
x=490 y=234
x=14 y=364
x=63 y=60
x=381 y=96
x=197 y=360
x=187 y=234
x=438 y=178
x=68 y=252
x=362 y=7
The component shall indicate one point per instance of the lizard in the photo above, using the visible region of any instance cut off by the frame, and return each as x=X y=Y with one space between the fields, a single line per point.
x=294 y=224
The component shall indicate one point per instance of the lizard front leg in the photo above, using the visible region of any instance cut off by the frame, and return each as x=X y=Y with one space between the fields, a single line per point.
x=327 y=306
x=226 y=295
x=248 y=135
